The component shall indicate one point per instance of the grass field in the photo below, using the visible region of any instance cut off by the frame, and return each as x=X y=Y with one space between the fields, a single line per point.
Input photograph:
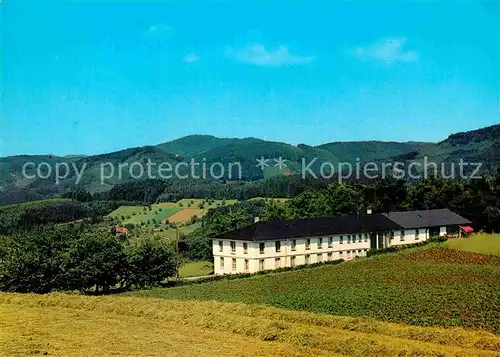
x=179 y=212
x=198 y=268
x=73 y=325
x=164 y=231
x=136 y=214
x=478 y=243
x=430 y=285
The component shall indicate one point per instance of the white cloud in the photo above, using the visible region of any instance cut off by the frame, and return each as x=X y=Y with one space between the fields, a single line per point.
x=191 y=58
x=388 y=51
x=257 y=54
x=158 y=30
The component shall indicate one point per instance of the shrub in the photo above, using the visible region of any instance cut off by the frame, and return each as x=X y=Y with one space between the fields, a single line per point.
x=397 y=248
x=130 y=226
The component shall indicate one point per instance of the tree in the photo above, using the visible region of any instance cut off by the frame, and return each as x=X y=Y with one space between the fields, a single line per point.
x=34 y=261
x=95 y=259
x=149 y=262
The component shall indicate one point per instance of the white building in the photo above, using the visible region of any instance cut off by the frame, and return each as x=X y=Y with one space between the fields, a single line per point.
x=276 y=244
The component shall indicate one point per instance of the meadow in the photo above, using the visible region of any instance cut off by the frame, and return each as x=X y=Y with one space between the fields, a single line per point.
x=178 y=213
x=428 y=286
x=74 y=325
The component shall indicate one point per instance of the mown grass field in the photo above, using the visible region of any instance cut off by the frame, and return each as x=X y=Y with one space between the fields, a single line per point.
x=478 y=243
x=431 y=285
x=73 y=325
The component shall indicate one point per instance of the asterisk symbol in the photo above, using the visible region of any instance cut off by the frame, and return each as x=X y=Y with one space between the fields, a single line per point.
x=262 y=163
x=280 y=163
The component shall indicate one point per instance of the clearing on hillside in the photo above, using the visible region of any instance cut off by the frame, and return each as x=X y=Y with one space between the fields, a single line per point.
x=72 y=325
x=137 y=214
x=185 y=215
x=420 y=286
x=179 y=212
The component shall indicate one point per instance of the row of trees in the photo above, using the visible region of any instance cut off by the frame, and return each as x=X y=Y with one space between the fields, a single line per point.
x=45 y=260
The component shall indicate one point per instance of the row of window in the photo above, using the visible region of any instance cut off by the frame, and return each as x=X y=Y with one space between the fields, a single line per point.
x=402 y=235
x=277 y=244
x=277 y=261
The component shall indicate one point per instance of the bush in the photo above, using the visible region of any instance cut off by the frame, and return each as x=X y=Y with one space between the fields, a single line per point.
x=130 y=226
x=397 y=248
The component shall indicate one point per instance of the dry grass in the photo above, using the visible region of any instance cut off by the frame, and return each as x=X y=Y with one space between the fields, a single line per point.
x=69 y=325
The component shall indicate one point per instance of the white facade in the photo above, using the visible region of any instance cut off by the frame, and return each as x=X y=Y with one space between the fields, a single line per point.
x=238 y=256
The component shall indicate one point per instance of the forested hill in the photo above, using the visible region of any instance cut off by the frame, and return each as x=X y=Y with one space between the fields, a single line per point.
x=482 y=145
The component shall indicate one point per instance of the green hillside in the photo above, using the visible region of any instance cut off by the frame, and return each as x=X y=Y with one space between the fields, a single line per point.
x=192 y=145
x=371 y=150
x=482 y=145
x=430 y=285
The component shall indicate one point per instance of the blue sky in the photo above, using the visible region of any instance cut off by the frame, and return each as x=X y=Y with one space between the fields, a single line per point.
x=86 y=77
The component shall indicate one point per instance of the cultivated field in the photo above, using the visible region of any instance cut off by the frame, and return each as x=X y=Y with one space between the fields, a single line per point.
x=72 y=325
x=430 y=285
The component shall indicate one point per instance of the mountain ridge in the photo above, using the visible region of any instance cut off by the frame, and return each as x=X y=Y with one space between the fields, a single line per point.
x=480 y=145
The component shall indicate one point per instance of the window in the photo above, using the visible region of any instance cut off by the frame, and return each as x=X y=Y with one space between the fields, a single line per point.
x=292 y=261
x=222 y=262
x=366 y=237
x=245 y=248
x=392 y=235
x=360 y=238
x=319 y=258
x=320 y=243
x=277 y=245
x=308 y=244
x=417 y=232
x=294 y=245
x=277 y=263
x=262 y=247
x=261 y=264
x=402 y=235
x=341 y=239
x=348 y=254
x=246 y=265
x=330 y=242
x=341 y=255
x=330 y=256
x=233 y=246
x=308 y=258
x=349 y=239
x=234 y=264
x=221 y=246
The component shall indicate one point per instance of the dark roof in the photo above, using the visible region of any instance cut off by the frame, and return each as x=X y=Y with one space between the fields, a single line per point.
x=427 y=218
x=323 y=226
x=311 y=227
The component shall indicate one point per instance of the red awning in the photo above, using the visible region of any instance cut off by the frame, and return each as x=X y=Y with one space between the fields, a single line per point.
x=466 y=229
